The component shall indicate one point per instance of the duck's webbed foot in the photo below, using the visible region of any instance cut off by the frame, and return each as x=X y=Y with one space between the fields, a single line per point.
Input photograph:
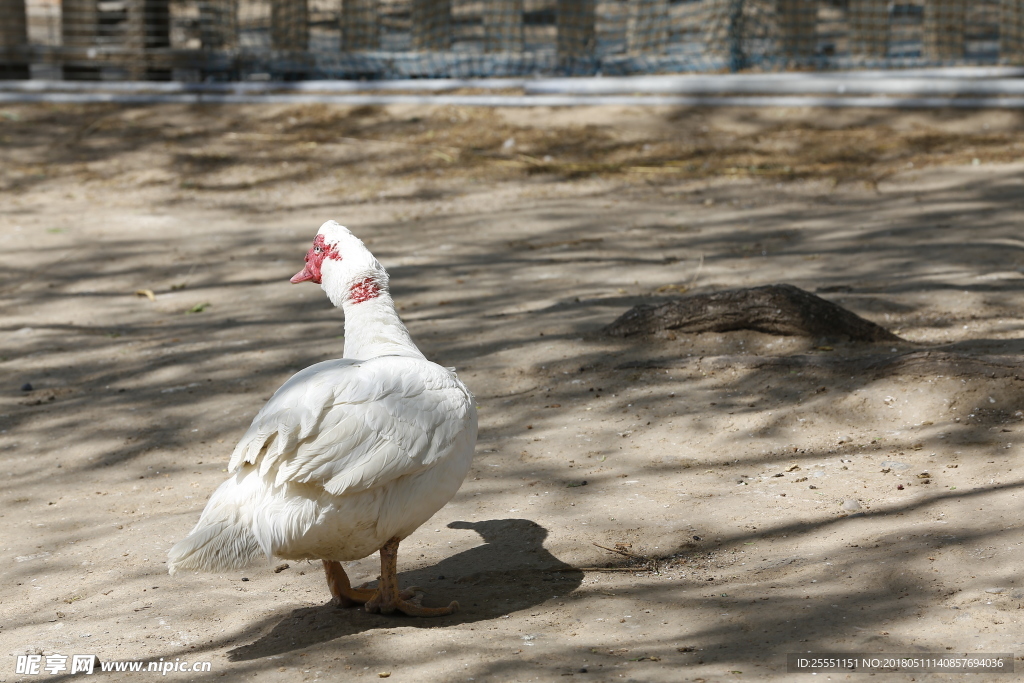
x=388 y=599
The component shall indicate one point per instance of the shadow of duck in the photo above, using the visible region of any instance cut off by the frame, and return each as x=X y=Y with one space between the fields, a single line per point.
x=510 y=571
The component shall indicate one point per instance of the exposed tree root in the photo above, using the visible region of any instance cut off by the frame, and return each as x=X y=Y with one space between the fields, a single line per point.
x=774 y=309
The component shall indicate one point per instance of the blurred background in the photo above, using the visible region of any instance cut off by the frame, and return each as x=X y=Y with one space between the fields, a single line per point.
x=227 y=40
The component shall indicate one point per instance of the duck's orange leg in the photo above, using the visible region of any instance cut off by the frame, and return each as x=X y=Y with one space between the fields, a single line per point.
x=388 y=599
x=341 y=589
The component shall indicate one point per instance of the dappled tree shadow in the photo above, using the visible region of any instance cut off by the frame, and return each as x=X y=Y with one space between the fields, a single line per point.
x=154 y=372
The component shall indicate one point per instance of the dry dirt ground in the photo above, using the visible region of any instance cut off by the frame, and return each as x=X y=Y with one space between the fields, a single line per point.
x=754 y=495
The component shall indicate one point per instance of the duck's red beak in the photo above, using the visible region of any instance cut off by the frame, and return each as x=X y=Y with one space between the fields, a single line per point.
x=302 y=275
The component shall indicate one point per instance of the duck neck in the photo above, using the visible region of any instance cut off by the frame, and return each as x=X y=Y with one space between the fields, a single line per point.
x=373 y=328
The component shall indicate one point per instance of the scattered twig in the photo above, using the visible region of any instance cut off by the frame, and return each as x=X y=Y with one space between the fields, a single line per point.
x=620 y=552
x=696 y=274
x=598 y=569
x=613 y=569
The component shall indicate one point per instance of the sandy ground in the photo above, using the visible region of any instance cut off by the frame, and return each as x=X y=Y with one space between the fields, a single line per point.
x=760 y=495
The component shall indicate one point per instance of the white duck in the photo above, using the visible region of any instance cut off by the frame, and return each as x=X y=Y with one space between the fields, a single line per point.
x=349 y=456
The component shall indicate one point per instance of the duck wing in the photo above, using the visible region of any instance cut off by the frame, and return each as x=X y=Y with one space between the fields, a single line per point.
x=350 y=425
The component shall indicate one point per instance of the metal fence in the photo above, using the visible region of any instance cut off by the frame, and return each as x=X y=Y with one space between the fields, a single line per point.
x=224 y=40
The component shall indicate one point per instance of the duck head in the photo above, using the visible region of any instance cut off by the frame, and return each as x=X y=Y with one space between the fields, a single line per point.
x=341 y=264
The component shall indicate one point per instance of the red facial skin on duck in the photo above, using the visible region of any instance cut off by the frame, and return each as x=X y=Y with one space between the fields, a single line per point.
x=314 y=261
